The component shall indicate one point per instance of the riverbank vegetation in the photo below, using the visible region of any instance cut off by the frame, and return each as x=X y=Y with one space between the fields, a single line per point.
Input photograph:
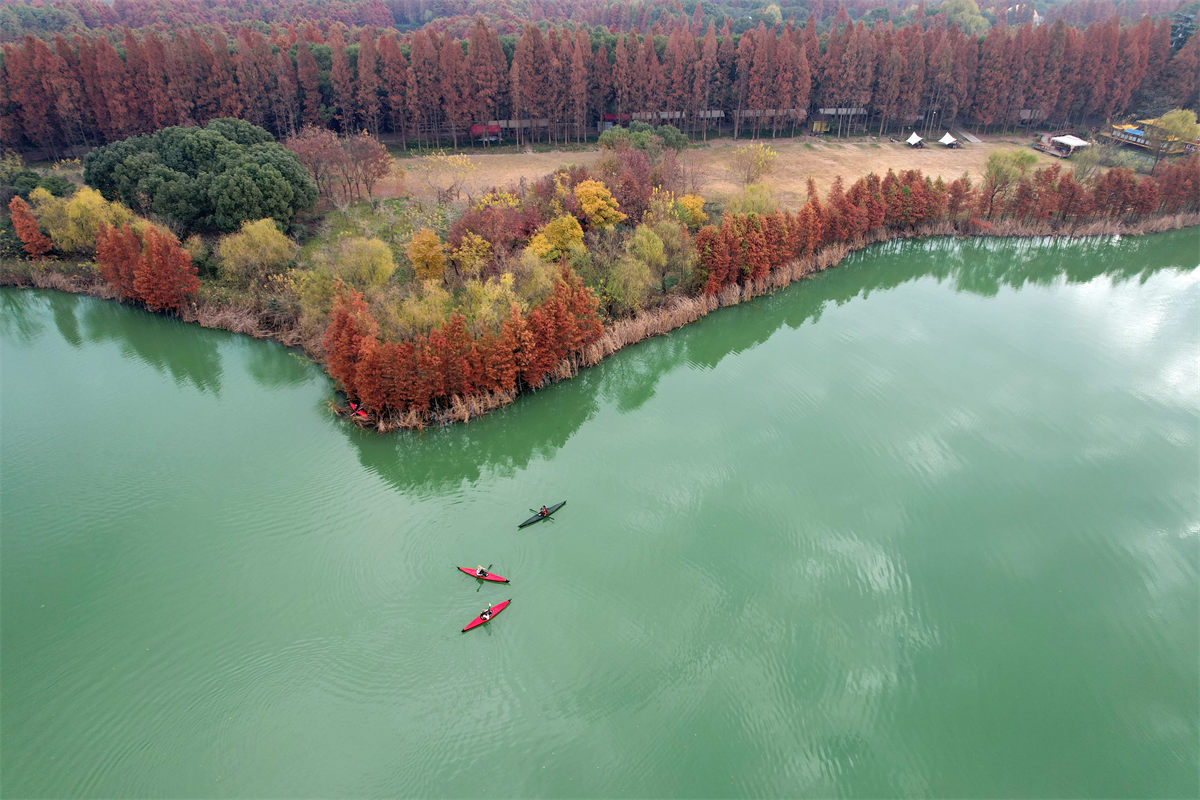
x=432 y=310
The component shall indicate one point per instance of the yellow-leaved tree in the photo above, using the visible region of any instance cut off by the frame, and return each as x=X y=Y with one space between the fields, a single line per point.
x=752 y=162
x=690 y=210
x=445 y=174
x=256 y=252
x=486 y=304
x=364 y=263
x=498 y=199
x=73 y=223
x=597 y=202
x=557 y=238
x=421 y=310
x=472 y=254
x=427 y=254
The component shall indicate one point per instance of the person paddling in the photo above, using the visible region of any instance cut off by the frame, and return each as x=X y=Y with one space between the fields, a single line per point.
x=487 y=613
x=545 y=512
x=480 y=571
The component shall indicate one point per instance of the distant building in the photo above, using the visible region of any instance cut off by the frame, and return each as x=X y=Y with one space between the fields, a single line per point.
x=1141 y=134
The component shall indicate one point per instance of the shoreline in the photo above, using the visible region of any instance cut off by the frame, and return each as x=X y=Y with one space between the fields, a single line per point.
x=618 y=334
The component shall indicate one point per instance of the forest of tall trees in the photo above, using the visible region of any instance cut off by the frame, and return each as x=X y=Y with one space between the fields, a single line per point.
x=104 y=73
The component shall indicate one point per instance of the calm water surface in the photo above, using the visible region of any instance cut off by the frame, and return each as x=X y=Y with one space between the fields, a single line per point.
x=926 y=525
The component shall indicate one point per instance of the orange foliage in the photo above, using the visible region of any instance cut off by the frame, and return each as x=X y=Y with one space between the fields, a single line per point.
x=36 y=243
x=151 y=267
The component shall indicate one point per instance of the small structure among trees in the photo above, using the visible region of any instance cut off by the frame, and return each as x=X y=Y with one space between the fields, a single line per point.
x=916 y=140
x=1061 y=146
x=949 y=141
x=1174 y=133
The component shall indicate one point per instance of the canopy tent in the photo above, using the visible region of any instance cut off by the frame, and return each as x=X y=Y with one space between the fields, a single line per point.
x=1070 y=142
x=948 y=140
x=914 y=140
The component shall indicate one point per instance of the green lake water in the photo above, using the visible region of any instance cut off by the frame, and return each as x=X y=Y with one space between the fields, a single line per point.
x=925 y=525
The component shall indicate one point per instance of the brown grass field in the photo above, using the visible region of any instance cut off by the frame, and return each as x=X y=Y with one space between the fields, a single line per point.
x=708 y=171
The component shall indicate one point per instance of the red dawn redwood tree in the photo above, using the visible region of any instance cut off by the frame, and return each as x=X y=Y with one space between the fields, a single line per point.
x=118 y=253
x=135 y=68
x=163 y=102
x=79 y=123
x=704 y=77
x=421 y=89
x=622 y=78
x=368 y=81
x=35 y=243
x=229 y=99
x=308 y=76
x=454 y=86
x=350 y=324
x=27 y=92
x=342 y=81
x=488 y=72
x=515 y=341
x=579 y=84
x=165 y=275
x=286 y=98
x=370 y=373
x=198 y=86
x=394 y=67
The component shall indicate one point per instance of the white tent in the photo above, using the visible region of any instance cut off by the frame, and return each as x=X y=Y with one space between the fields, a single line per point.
x=948 y=140
x=1070 y=142
x=914 y=140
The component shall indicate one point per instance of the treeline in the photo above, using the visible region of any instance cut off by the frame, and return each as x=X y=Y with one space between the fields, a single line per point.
x=746 y=248
x=558 y=84
x=508 y=16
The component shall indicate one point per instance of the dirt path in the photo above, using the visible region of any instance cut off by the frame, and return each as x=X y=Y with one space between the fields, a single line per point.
x=799 y=159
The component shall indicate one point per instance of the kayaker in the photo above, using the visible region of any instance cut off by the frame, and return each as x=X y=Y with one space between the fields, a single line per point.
x=487 y=613
x=544 y=511
x=481 y=572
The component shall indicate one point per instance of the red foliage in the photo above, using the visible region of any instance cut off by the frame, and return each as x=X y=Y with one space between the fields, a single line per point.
x=507 y=356
x=1115 y=192
x=505 y=228
x=712 y=257
x=35 y=242
x=118 y=254
x=460 y=377
x=165 y=275
x=1179 y=184
x=626 y=172
x=349 y=324
x=958 y=197
x=150 y=267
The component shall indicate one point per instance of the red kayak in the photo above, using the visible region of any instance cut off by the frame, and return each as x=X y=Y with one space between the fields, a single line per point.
x=490 y=576
x=496 y=609
x=357 y=409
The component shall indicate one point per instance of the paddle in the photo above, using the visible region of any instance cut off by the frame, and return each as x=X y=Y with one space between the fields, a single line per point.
x=539 y=513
